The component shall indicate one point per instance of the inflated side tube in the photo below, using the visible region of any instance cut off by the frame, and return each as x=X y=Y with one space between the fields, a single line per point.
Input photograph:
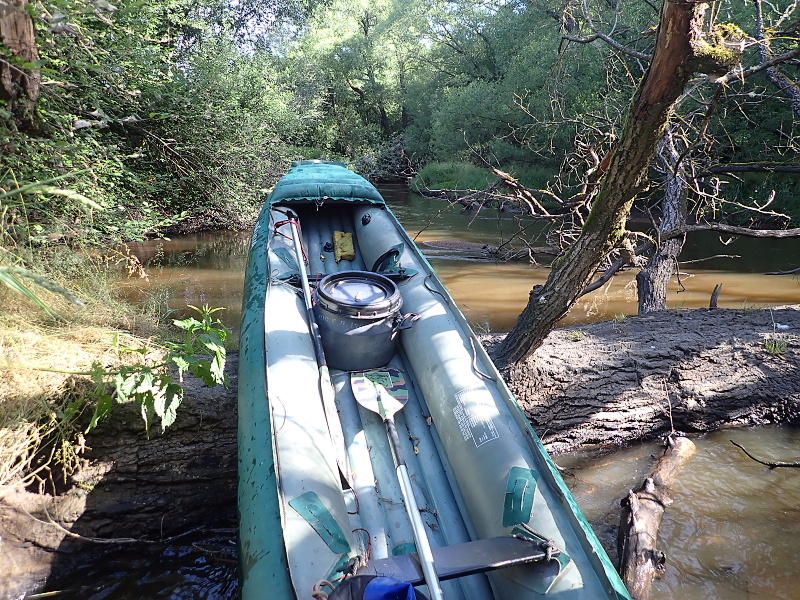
x=488 y=452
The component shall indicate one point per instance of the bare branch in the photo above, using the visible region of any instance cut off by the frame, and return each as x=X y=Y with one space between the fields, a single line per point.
x=606 y=38
x=733 y=230
x=771 y=465
x=789 y=272
x=776 y=78
x=745 y=73
x=751 y=168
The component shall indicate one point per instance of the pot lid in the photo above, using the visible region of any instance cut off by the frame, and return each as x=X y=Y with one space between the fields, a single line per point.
x=360 y=293
x=356 y=292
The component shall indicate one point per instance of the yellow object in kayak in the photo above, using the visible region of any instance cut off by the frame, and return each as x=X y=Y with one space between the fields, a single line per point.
x=343 y=246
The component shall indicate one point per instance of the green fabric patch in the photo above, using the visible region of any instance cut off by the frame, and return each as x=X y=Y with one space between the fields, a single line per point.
x=518 y=502
x=406 y=548
x=311 y=508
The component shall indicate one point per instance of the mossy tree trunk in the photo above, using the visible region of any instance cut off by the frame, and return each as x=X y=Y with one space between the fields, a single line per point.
x=19 y=85
x=673 y=63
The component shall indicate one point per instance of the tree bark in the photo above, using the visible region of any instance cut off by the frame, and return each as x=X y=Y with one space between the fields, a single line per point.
x=680 y=27
x=639 y=559
x=653 y=279
x=19 y=86
x=609 y=384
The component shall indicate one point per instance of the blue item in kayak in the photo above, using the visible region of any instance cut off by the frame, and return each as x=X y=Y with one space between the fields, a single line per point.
x=369 y=587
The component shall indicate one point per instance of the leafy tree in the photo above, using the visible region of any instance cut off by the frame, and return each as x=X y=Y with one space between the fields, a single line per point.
x=156 y=112
x=357 y=57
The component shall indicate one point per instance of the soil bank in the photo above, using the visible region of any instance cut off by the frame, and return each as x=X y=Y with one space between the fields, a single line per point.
x=605 y=385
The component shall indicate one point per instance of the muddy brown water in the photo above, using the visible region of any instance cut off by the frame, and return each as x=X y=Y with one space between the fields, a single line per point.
x=732 y=531
x=208 y=268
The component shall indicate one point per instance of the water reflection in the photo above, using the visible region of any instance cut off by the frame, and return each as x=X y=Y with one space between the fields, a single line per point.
x=194 y=270
x=732 y=530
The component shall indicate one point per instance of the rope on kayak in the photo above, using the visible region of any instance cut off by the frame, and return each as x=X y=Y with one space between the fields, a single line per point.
x=318 y=593
x=369 y=543
x=430 y=289
x=475 y=366
x=296 y=226
x=358 y=504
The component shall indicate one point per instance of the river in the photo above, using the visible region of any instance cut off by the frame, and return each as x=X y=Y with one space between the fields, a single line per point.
x=732 y=530
x=208 y=268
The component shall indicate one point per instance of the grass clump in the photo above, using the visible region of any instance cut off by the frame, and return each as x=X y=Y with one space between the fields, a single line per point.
x=774 y=346
x=63 y=369
x=453 y=176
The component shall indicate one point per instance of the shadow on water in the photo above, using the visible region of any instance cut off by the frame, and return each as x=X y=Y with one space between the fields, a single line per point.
x=198 y=566
x=172 y=496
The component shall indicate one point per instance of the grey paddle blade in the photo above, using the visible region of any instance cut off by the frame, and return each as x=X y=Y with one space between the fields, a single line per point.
x=382 y=391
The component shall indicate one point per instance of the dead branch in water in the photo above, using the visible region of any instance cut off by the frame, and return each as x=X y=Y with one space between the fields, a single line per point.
x=639 y=559
x=771 y=465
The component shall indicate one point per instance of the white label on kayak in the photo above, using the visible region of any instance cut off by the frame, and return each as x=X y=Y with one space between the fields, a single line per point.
x=473 y=410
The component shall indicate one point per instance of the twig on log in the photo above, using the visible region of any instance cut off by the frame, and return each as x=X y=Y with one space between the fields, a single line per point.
x=639 y=559
x=771 y=465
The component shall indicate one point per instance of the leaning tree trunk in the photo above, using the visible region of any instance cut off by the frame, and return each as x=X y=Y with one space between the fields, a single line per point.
x=653 y=279
x=19 y=87
x=679 y=35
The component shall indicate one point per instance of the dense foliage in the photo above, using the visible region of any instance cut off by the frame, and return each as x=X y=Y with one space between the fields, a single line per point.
x=160 y=115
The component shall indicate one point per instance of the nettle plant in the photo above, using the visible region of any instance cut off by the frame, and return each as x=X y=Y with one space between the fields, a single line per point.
x=152 y=386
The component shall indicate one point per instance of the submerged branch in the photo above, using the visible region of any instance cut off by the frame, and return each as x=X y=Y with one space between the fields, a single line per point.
x=771 y=465
x=734 y=230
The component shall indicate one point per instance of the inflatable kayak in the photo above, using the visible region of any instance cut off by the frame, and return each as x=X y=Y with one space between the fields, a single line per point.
x=378 y=444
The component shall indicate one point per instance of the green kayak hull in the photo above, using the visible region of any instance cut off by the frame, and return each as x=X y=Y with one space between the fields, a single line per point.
x=315 y=495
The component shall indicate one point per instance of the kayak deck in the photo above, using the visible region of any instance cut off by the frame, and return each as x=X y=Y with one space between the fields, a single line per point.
x=478 y=471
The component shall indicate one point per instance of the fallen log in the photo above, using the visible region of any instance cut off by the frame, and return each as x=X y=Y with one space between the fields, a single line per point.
x=602 y=385
x=639 y=559
x=136 y=489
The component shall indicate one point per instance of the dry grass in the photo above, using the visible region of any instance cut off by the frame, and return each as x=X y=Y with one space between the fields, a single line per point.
x=41 y=398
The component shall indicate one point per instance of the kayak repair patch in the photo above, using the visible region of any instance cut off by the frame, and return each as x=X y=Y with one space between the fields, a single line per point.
x=312 y=509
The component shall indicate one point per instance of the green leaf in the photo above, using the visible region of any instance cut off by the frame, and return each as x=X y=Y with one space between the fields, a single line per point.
x=147 y=382
x=9 y=279
x=167 y=403
x=103 y=407
x=189 y=324
x=46 y=189
x=147 y=403
x=182 y=361
x=212 y=341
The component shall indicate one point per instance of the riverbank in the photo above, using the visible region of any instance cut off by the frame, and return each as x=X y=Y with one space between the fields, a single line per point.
x=599 y=386
x=612 y=383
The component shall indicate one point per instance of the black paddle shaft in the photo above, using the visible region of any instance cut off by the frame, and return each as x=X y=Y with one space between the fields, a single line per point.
x=394 y=439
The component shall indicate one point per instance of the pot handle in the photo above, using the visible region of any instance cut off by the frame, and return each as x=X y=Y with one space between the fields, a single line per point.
x=405 y=322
